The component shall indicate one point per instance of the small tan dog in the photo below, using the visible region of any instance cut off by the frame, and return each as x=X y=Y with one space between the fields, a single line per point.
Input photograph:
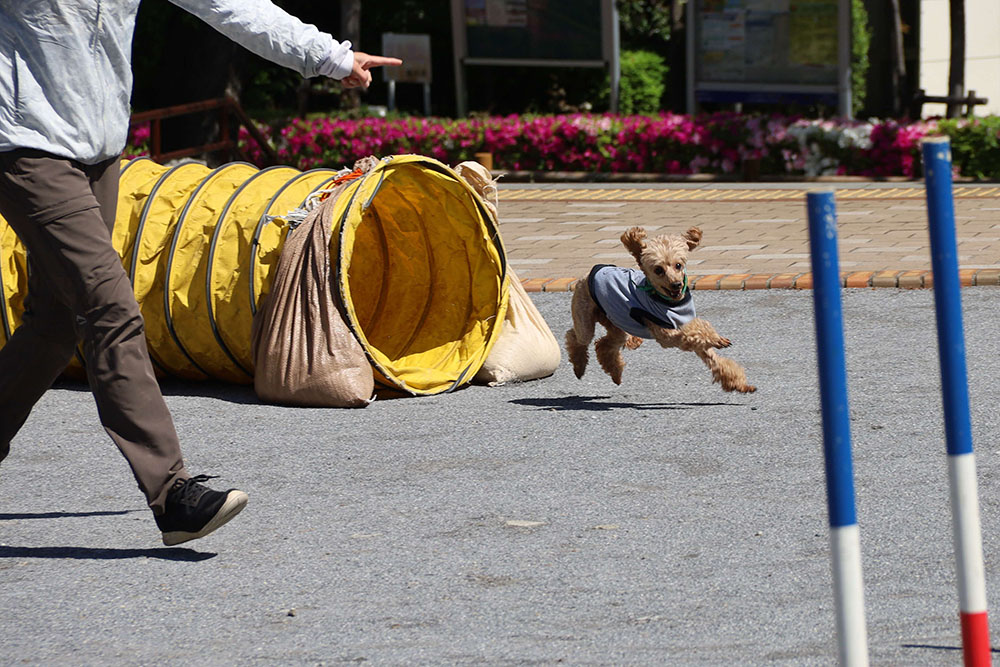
x=652 y=303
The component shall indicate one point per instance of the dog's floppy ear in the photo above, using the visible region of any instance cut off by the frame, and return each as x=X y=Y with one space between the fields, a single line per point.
x=693 y=237
x=634 y=240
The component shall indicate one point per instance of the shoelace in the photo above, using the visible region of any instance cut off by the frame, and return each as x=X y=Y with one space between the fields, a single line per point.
x=184 y=488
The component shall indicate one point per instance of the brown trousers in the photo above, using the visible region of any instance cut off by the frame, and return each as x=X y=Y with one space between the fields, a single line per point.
x=63 y=211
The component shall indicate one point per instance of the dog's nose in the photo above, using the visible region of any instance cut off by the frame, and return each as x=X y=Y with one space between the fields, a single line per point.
x=676 y=285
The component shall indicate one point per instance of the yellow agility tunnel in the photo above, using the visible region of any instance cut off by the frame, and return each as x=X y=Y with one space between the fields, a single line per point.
x=418 y=261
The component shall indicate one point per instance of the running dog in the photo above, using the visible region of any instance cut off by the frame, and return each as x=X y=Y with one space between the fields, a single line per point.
x=652 y=301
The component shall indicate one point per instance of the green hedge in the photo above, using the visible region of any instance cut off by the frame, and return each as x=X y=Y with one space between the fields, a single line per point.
x=975 y=146
x=643 y=81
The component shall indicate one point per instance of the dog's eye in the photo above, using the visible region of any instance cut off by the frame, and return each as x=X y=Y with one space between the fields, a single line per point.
x=659 y=271
x=679 y=266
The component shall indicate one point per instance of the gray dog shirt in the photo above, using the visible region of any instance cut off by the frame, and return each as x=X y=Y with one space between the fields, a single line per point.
x=628 y=300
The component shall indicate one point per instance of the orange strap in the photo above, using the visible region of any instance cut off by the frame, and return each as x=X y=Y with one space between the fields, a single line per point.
x=340 y=180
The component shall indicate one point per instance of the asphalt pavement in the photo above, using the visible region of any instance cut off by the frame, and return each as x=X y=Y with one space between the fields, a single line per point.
x=558 y=521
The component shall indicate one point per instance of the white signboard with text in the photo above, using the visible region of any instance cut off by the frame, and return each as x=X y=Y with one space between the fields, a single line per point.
x=415 y=52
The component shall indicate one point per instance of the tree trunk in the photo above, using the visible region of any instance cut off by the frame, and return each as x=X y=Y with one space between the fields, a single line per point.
x=677 y=58
x=350 y=28
x=956 y=71
x=899 y=105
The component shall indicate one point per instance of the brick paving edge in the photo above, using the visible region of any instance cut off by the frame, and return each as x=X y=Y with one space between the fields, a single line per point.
x=848 y=279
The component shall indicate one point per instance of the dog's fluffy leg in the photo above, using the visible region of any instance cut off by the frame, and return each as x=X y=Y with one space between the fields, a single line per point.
x=609 y=353
x=699 y=334
x=726 y=372
x=578 y=353
x=578 y=338
x=633 y=342
x=700 y=337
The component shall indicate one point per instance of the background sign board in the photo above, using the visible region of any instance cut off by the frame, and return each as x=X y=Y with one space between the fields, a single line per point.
x=534 y=33
x=534 y=29
x=415 y=52
x=767 y=50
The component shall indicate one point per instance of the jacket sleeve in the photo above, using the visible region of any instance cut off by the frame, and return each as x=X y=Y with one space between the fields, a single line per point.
x=269 y=31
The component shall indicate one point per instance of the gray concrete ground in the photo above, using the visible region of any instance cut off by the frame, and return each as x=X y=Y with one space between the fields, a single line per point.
x=565 y=521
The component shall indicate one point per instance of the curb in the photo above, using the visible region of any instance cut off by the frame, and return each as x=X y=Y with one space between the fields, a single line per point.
x=589 y=177
x=747 y=281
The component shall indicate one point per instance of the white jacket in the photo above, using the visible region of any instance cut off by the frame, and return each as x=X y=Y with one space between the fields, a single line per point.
x=66 y=70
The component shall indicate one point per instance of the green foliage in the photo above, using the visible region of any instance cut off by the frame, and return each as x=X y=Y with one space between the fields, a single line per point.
x=975 y=146
x=643 y=80
x=861 y=38
x=644 y=23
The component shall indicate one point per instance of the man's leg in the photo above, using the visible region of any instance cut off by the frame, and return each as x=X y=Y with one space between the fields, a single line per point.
x=52 y=206
x=192 y=510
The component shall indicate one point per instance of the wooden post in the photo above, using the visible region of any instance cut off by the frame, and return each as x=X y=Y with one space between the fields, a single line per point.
x=485 y=159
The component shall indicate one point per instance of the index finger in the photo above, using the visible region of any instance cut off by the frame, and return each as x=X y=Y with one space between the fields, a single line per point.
x=379 y=61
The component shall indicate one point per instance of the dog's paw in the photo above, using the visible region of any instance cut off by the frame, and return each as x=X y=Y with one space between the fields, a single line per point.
x=721 y=342
x=731 y=376
x=633 y=342
x=742 y=388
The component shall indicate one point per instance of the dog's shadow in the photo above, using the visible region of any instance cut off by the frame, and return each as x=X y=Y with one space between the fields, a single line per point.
x=602 y=404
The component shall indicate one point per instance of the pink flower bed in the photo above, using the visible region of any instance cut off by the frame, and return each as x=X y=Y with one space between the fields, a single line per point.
x=138 y=141
x=666 y=143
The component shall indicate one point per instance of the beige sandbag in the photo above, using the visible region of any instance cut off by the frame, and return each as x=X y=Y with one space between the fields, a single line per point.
x=526 y=349
x=482 y=181
x=304 y=353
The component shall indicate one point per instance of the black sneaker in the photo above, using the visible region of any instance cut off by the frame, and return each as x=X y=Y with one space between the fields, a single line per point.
x=194 y=510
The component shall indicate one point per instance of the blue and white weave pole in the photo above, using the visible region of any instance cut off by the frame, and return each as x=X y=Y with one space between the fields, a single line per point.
x=845 y=543
x=955 y=394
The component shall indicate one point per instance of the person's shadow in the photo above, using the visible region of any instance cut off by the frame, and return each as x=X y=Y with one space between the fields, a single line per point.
x=230 y=393
x=92 y=553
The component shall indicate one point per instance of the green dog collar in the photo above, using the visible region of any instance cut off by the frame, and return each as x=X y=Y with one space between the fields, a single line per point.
x=647 y=287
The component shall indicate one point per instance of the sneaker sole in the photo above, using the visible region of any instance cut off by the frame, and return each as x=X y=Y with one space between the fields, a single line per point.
x=235 y=502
